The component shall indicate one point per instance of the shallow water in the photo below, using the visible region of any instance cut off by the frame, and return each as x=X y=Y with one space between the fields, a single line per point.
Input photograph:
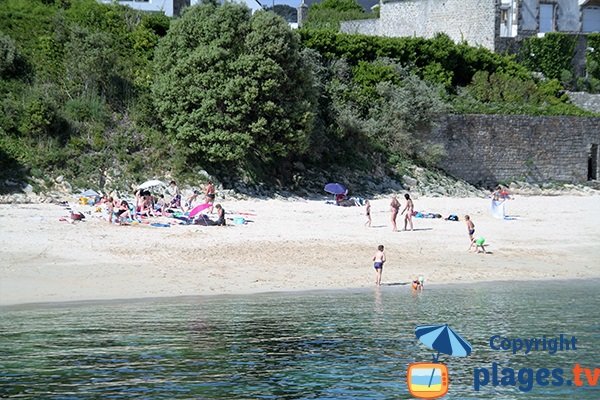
x=327 y=345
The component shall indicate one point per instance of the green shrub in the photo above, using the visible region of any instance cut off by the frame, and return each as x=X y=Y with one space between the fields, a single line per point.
x=550 y=55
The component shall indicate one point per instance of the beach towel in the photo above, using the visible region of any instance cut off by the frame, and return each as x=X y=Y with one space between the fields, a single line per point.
x=498 y=209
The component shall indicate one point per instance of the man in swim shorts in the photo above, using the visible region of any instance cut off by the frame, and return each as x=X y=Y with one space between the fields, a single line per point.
x=378 y=261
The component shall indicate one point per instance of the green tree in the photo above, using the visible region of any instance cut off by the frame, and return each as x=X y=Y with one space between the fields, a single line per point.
x=232 y=87
x=8 y=53
x=289 y=13
x=328 y=14
x=550 y=55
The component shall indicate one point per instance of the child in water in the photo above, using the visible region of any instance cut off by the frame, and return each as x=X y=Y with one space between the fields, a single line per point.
x=378 y=261
x=417 y=284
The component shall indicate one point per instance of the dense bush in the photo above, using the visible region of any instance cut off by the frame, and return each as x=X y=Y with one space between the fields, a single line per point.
x=107 y=95
x=439 y=59
x=551 y=55
x=71 y=75
x=327 y=14
x=592 y=80
x=232 y=88
x=499 y=93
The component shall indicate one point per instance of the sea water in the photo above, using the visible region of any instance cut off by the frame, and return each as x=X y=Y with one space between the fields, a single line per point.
x=347 y=344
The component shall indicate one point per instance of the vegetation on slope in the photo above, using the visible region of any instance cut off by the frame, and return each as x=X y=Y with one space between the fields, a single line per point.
x=108 y=96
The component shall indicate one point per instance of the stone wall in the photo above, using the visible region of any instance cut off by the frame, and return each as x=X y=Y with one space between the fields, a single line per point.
x=473 y=21
x=587 y=101
x=487 y=149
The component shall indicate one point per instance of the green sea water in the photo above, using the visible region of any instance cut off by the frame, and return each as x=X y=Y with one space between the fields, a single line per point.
x=349 y=344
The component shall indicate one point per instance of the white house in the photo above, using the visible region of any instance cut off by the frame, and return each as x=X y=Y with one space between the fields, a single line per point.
x=173 y=7
x=480 y=22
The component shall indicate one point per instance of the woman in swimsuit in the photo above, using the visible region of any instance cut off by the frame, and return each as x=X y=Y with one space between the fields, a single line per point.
x=471 y=230
x=395 y=207
x=123 y=212
x=210 y=194
x=409 y=208
x=368 y=213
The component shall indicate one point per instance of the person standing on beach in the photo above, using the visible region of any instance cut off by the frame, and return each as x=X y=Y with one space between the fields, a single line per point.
x=210 y=194
x=409 y=208
x=368 y=213
x=394 y=208
x=471 y=230
x=173 y=193
x=378 y=261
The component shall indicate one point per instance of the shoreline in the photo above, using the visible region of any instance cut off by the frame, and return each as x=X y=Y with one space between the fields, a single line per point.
x=296 y=292
x=291 y=245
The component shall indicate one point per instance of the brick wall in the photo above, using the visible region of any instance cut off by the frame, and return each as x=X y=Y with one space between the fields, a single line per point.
x=487 y=149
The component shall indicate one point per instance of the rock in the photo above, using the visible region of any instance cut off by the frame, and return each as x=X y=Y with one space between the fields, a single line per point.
x=59 y=179
x=18 y=198
x=10 y=182
x=299 y=166
x=205 y=175
x=409 y=181
x=28 y=189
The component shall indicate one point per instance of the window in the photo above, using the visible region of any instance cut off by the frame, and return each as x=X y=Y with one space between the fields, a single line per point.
x=547 y=17
x=591 y=19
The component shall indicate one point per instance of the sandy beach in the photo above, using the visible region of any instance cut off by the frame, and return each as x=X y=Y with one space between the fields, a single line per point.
x=291 y=245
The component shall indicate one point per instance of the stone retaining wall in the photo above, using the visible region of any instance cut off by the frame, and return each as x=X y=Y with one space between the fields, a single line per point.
x=487 y=149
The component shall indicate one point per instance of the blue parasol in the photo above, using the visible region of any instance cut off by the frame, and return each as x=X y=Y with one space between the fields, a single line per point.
x=443 y=339
x=336 y=188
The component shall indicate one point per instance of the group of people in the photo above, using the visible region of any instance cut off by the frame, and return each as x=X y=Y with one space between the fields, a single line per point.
x=165 y=204
x=476 y=244
x=395 y=208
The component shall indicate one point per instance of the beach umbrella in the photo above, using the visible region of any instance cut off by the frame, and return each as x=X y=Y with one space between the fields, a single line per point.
x=443 y=339
x=199 y=208
x=335 y=188
x=151 y=183
x=89 y=193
